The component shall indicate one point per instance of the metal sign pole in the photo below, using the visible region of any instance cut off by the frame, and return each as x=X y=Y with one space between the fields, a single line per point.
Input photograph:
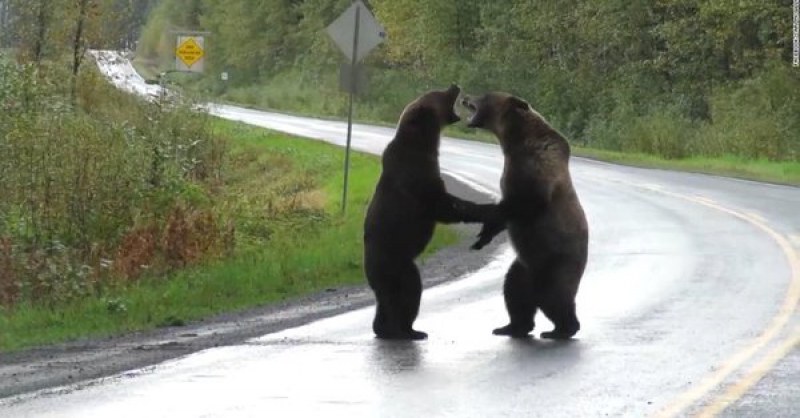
x=353 y=61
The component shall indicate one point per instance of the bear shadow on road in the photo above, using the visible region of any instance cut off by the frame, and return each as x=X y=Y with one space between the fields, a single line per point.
x=530 y=352
x=395 y=356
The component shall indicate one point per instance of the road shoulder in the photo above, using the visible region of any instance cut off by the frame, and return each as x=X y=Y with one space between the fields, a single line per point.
x=78 y=361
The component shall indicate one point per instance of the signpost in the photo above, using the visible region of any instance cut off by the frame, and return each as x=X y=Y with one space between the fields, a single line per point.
x=356 y=33
x=349 y=75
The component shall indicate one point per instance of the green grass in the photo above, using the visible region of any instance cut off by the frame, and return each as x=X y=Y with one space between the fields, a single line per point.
x=302 y=255
x=786 y=172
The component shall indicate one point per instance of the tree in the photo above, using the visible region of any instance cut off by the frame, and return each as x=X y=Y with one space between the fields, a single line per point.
x=249 y=39
x=5 y=23
x=31 y=26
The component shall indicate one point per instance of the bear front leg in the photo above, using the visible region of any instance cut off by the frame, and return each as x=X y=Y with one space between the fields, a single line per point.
x=451 y=209
x=489 y=230
x=496 y=224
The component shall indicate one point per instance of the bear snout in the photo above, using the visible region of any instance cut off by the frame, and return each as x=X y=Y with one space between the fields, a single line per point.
x=467 y=103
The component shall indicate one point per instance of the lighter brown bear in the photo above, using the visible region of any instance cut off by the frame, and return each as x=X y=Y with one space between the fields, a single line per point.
x=544 y=218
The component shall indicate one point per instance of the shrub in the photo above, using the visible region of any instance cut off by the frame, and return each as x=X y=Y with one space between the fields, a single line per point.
x=663 y=131
x=78 y=178
x=758 y=118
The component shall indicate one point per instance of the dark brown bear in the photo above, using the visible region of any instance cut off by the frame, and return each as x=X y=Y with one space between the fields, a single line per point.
x=409 y=199
x=544 y=217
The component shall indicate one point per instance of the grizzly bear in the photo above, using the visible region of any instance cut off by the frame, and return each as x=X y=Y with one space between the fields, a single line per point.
x=409 y=199
x=545 y=221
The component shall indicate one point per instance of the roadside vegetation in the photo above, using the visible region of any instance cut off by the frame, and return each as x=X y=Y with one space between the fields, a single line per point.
x=118 y=214
x=121 y=214
x=697 y=83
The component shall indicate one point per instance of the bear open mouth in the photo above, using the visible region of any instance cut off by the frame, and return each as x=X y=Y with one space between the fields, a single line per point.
x=471 y=107
x=466 y=102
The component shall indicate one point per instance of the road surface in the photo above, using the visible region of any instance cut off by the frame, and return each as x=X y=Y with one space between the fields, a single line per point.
x=688 y=307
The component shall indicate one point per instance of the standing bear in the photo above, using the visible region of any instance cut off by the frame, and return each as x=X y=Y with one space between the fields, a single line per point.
x=409 y=199
x=545 y=220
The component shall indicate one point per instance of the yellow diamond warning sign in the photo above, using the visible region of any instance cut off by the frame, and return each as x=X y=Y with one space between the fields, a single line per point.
x=189 y=53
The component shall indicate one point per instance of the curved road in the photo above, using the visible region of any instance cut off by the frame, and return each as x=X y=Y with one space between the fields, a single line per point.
x=688 y=306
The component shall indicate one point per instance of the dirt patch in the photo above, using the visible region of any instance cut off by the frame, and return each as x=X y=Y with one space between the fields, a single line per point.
x=77 y=361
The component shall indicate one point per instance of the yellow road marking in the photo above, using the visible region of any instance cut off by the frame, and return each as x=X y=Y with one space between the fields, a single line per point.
x=795 y=239
x=757 y=216
x=652 y=187
x=752 y=377
x=780 y=319
x=700 y=199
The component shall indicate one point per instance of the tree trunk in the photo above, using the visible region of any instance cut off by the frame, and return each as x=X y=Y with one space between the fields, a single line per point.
x=41 y=32
x=77 y=45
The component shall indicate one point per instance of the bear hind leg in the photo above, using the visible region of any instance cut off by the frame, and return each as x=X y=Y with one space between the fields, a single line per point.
x=520 y=302
x=387 y=326
x=398 y=306
x=558 y=303
x=565 y=320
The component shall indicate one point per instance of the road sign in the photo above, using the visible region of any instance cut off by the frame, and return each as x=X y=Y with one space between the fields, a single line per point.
x=189 y=53
x=353 y=83
x=370 y=33
x=355 y=32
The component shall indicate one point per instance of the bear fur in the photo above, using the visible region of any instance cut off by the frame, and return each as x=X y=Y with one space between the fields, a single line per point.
x=545 y=221
x=409 y=199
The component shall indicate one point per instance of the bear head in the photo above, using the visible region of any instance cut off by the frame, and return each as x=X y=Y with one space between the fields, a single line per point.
x=515 y=123
x=435 y=108
x=495 y=111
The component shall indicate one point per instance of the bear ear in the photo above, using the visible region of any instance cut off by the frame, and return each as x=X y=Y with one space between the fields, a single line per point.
x=518 y=103
x=454 y=89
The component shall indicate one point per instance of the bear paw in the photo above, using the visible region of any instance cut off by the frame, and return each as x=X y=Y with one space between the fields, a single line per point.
x=513 y=332
x=410 y=335
x=557 y=335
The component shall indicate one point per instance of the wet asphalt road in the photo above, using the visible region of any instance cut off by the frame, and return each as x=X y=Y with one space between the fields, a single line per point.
x=688 y=306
